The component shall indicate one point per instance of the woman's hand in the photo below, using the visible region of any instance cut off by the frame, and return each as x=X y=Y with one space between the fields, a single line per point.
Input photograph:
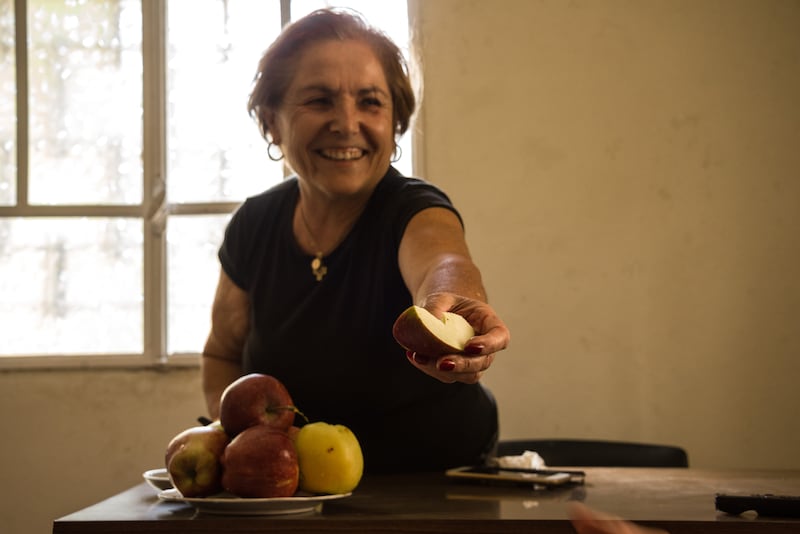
x=437 y=268
x=491 y=336
x=587 y=521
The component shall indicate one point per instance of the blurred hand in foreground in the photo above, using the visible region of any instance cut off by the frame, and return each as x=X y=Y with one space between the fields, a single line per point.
x=587 y=521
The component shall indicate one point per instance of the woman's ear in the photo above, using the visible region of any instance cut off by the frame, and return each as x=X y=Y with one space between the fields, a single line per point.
x=269 y=118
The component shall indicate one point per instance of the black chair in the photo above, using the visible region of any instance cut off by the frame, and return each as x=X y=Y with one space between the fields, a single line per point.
x=596 y=453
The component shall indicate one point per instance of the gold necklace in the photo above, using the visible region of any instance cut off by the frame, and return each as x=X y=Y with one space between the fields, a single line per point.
x=318 y=269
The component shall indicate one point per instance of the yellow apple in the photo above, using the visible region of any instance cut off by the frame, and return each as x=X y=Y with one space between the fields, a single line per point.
x=330 y=458
x=192 y=460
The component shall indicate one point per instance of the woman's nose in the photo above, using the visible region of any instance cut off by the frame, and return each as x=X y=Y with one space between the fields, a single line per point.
x=345 y=118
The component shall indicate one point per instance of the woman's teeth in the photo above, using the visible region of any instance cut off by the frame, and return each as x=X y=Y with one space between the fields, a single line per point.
x=342 y=153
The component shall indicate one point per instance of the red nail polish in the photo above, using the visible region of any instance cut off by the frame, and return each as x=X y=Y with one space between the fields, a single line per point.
x=447 y=365
x=473 y=349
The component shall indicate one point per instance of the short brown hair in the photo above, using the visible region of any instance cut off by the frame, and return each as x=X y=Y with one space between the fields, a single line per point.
x=277 y=65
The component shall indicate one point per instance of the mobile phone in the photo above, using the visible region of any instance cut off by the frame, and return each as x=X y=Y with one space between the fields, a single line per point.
x=516 y=476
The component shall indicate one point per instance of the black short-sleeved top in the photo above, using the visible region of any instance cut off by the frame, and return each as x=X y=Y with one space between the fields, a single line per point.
x=331 y=343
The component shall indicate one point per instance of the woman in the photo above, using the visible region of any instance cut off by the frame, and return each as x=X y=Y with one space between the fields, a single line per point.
x=316 y=269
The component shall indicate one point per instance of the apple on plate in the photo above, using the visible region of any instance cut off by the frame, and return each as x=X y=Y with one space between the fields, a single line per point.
x=418 y=330
x=260 y=462
x=193 y=458
x=330 y=458
x=293 y=431
x=256 y=399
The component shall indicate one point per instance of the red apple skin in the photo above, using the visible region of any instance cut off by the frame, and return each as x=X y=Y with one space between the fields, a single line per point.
x=255 y=399
x=193 y=460
x=292 y=432
x=412 y=335
x=261 y=462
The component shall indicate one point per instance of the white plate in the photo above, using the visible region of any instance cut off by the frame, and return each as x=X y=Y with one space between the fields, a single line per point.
x=230 y=505
x=158 y=478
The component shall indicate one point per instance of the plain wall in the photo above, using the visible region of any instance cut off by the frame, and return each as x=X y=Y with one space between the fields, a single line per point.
x=629 y=173
x=629 y=176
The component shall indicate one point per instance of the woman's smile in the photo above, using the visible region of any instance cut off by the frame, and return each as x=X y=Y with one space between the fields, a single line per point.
x=341 y=154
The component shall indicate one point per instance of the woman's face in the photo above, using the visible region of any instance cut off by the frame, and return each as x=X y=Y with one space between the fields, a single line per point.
x=335 y=125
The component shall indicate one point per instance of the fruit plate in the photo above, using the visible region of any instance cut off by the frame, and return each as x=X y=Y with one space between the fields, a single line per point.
x=227 y=504
x=158 y=479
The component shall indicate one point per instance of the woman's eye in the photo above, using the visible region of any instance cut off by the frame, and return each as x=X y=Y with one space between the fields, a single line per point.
x=320 y=101
x=373 y=102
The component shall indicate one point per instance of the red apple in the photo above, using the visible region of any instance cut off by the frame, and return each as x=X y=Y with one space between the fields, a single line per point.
x=418 y=330
x=292 y=432
x=256 y=399
x=260 y=462
x=193 y=459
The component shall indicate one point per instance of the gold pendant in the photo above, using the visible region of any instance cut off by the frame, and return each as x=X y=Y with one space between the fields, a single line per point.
x=318 y=269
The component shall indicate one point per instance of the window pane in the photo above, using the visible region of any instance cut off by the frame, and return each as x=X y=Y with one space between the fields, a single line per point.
x=8 y=92
x=82 y=289
x=85 y=73
x=216 y=152
x=392 y=18
x=193 y=270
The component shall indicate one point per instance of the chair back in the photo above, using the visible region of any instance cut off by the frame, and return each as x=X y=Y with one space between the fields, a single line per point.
x=597 y=453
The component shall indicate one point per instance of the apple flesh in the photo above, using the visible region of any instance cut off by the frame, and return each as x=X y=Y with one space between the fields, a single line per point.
x=330 y=458
x=418 y=330
x=193 y=458
x=256 y=399
x=261 y=462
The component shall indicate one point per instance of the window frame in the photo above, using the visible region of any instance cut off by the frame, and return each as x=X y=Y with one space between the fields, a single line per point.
x=152 y=211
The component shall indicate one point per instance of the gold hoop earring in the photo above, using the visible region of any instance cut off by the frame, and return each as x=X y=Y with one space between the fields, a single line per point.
x=269 y=152
x=397 y=154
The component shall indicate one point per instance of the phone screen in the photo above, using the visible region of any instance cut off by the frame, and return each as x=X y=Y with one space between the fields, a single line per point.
x=525 y=477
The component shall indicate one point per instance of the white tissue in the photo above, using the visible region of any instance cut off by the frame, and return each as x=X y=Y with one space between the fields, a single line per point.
x=526 y=460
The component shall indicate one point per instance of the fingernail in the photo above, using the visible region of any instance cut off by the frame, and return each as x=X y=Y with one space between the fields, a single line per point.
x=473 y=349
x=447 y=365
x=420 y=359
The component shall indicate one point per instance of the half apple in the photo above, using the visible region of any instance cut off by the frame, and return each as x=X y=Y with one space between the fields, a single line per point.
x=418 y=330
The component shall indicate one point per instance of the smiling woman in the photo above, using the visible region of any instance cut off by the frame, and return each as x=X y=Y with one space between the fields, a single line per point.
x=333 y=93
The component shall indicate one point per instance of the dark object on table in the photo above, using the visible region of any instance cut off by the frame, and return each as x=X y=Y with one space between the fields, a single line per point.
x=597 y=453
x=767 y=505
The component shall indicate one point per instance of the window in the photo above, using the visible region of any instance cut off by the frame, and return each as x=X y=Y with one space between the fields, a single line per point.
x=125 y=144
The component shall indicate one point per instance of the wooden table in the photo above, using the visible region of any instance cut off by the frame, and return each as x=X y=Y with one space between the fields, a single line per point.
x=678 y=500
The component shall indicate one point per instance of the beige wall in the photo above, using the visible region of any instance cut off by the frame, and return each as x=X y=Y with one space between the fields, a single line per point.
x=629 y=172
x=629 y=175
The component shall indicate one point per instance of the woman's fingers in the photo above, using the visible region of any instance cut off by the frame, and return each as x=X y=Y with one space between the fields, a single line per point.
x=588 y=521
x=452 y=368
